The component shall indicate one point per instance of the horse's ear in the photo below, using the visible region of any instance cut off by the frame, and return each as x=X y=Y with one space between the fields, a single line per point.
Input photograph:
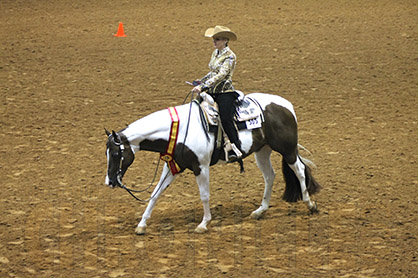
x=115 y=137
x=107 y=132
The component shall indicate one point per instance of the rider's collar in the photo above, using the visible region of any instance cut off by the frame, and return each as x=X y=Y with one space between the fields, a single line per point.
x=220 y=52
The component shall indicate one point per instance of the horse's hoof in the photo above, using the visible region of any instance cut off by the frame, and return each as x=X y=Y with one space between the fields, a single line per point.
x=200 y=230
x=314 y=208
x=140 y=230
x=256 y=215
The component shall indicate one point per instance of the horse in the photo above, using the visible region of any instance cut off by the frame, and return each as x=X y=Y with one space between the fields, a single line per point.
x=195 y=149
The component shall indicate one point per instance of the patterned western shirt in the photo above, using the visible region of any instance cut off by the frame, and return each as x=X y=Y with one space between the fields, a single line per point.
x=221 y=65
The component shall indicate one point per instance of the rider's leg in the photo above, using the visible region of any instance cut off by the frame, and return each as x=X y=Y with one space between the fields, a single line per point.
x=226 y=109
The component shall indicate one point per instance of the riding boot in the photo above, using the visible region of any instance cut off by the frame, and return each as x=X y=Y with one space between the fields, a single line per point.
x=234 y=149
x=226 y=110
x=234 y=154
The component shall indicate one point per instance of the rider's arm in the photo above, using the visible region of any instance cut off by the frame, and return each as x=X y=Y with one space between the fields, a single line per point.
x=224 y=70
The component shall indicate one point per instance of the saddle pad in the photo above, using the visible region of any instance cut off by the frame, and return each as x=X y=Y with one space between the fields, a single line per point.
x=247 y=109
x=248 y=114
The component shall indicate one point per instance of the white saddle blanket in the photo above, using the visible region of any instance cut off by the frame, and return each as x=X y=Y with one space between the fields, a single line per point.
x=248 y=111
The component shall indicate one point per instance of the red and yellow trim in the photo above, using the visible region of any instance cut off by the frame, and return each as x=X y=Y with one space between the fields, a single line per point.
x=172 y=140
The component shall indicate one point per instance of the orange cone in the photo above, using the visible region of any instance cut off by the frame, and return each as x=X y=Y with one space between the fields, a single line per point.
x=120 y=32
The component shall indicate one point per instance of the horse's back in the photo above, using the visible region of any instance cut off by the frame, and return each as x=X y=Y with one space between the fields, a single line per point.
x=265 y=99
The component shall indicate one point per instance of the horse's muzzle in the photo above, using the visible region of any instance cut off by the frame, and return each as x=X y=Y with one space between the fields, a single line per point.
x=111 y=183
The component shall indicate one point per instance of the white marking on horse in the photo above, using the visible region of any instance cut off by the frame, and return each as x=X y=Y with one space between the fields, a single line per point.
x=194 y=151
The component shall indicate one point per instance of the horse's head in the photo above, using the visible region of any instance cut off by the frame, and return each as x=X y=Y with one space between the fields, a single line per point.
x=119 y=158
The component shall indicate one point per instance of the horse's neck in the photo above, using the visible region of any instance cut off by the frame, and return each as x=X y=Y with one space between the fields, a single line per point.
x=152 y=127
x=151 y=131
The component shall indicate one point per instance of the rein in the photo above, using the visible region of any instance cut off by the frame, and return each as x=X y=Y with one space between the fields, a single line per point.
x=130 y=190
x=191 y=94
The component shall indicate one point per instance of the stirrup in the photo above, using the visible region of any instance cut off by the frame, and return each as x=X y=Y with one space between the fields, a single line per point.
x=233 y=154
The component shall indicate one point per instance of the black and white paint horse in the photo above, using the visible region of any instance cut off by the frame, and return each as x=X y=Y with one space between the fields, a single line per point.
x=195 y=147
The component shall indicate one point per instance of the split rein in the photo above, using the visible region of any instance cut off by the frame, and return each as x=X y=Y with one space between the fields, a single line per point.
x=130 y=190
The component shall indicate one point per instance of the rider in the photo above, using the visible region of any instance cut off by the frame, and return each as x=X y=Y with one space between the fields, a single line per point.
x=218 y=83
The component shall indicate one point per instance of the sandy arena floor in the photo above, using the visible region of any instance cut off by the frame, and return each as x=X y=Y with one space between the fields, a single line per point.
x=349 y=68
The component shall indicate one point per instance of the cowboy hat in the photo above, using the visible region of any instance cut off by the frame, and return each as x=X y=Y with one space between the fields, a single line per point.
x=220 y=32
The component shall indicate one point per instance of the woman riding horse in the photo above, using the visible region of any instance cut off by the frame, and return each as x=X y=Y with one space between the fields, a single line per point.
x=218 y=83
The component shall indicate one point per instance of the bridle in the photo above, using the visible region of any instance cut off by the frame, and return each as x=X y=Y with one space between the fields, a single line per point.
x=119 y=176
x=119 y=172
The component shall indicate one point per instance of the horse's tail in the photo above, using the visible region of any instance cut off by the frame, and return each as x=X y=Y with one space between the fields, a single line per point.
x=292 y=192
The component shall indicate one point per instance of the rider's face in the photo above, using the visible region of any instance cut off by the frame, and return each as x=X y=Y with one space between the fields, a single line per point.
x=219 y=43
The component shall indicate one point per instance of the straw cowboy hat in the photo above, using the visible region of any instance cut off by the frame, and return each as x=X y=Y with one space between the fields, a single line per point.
x=220 y=32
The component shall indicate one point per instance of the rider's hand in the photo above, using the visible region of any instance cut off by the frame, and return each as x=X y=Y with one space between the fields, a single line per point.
x=197 y=90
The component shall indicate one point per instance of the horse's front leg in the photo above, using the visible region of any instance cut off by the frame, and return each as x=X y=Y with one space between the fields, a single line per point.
x=165 y=180
x=203 y=183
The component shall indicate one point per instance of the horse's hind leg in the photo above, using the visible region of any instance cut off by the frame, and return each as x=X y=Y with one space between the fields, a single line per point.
x=299 y=169
x=264 y=164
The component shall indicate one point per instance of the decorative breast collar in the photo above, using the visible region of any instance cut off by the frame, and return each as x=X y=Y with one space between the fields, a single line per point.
x=172 y=141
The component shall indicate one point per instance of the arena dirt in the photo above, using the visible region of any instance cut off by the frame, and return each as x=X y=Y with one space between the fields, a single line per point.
x=349 y=68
